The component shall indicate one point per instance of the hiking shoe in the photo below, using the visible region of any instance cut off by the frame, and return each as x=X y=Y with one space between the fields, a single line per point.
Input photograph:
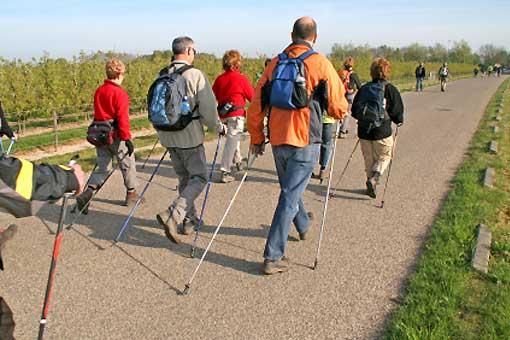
x=271 y=267
x=371 y=188
x=131 y=198
x=166 y=220
x=188 y=225
x=226 y=177
x=83 y=199
x=372 y=184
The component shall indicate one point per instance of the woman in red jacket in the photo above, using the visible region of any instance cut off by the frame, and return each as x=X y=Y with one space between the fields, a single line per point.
x=111 y=104
x=232 y=89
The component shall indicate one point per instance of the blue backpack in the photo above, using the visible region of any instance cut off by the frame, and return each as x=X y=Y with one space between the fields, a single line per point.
x=167 y=101
x=288 y=84
x=369 y=107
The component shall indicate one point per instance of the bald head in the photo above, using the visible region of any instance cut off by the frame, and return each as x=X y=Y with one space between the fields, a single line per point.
x=304 y=28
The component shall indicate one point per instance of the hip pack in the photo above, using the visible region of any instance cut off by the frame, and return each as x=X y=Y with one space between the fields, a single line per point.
x=100 y=133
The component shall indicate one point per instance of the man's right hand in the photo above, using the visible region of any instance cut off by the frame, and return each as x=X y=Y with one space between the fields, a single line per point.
x=80 y=177
x=257 y=149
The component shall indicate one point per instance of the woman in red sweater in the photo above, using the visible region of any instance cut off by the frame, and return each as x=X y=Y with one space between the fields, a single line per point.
x=111 y=103
x=232 y=89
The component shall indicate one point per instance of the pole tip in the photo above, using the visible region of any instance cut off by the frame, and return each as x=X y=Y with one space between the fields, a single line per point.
x=315 y=264
x=186 y=289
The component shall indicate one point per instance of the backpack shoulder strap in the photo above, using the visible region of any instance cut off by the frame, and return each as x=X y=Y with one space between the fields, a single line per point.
x=183 y=69
x=306 y=54
x=283 y=56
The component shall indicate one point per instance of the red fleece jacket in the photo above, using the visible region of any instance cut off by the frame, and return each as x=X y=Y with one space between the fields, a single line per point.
x=233 y=87
x=112 y=102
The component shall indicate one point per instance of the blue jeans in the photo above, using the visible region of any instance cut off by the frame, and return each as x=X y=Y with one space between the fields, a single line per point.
x=294 y=167
x=327 y=136
x=419 y=84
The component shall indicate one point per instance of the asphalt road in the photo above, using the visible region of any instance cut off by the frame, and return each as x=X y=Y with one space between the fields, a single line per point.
x=132 y=291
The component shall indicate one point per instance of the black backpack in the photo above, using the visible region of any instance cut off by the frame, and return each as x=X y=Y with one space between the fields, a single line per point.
x=369 y=108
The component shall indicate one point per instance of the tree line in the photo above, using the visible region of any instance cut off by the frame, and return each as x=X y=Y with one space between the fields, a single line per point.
x=457 y=52
x=46 y=86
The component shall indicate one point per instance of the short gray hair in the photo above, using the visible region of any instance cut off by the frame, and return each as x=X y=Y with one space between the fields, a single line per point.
x=180 y=44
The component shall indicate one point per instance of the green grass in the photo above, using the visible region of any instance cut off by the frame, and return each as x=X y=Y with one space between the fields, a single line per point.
x=445 y=298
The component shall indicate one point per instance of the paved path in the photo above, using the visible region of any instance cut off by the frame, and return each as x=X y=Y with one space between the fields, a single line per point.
x=132 y=292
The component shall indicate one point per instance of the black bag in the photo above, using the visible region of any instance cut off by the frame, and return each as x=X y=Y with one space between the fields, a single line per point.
x=226 y=108
x=369 y=109
x=100 y=133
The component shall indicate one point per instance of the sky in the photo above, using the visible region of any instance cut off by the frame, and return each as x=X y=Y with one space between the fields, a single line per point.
x=63 y=28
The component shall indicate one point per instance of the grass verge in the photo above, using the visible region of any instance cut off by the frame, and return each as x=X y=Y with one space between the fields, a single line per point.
x=445 y=298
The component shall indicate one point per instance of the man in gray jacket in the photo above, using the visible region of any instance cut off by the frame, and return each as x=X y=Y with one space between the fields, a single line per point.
x=186 y=146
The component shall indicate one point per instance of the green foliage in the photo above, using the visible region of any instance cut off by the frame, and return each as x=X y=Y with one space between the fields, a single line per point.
x=40 y=87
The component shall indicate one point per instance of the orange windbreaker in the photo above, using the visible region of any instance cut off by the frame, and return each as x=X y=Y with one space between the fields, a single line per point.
x=294 y=127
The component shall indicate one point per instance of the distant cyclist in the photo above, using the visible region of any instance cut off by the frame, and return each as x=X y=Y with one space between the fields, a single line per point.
x=443 y=76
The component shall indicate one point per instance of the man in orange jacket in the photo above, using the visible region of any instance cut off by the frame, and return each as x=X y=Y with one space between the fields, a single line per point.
x=295 y=134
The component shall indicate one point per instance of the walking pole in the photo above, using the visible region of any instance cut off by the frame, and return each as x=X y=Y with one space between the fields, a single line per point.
x=345 y=169
x=209 y=183
x=53 y=266
x=128 y=219
x=150 y=153
x=187 y=286
x=389 y=168
x=10 y=146
x=85 y=207
x=326 y=200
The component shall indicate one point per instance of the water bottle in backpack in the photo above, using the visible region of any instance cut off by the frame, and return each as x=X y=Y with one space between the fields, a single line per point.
x=288 y=84
x=168 y=103
x=185 y=107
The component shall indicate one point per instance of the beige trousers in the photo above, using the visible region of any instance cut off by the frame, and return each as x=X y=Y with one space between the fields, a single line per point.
x=377 y=154
x=232 y=150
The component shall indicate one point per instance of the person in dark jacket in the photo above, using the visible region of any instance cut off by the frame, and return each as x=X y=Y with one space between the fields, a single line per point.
x=232 y=89
x=377 y=142
x=5 y=130
x=420 y=77
x=24 y=187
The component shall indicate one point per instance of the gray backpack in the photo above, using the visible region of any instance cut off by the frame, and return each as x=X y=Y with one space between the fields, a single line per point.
x=167 y=101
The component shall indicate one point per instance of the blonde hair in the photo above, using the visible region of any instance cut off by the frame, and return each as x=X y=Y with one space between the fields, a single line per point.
x=232 y=60
x=114 y=68
x=380 y=69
